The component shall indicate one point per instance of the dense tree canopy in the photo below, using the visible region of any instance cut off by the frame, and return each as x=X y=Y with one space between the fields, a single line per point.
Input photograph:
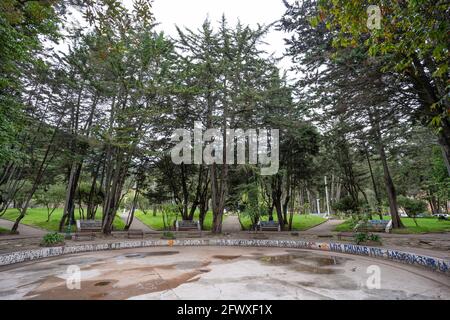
x=89 y=128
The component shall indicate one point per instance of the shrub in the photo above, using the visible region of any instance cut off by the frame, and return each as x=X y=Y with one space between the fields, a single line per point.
x=412 y=207
x=168 y=235
x=52 y=238
x=374 y=237
x=361 y=237
x=169 y=214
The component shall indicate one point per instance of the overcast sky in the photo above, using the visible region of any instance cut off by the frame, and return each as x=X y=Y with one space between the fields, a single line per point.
x=192 y=13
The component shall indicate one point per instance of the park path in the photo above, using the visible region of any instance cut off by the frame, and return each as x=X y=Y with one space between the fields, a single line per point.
x=231 y=224
x=326 y=227
x=24 y=230
x=136 y=224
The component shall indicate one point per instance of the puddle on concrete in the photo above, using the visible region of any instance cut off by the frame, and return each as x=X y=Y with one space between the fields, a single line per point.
x=340 y=282
x=7 y=293
x=224 y=257
x=78 y=260
x=184 y=265
x=312 y=269
x=102 y=283
x=386 y=294
x=256 y=254
x=150 y=254
x=133 y=255
x=99 y=295
x=302 y=261
x=277 y=260
x=53 y=288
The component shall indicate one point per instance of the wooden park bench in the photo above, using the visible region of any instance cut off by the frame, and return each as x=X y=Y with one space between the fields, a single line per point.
x=345 y=235
x=187 y=225
x=374 y=226
x=269 y=226
x=135 y=233
x=86 y=229
x=189 y=228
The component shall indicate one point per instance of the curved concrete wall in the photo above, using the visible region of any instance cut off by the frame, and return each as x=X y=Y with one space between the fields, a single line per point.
x=431 y=263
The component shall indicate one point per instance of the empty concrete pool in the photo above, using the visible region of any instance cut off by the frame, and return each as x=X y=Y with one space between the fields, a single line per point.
x=218 y=273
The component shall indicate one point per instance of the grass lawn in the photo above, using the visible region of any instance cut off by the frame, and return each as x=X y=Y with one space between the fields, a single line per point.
x=37 y=217
x=345 y=226
x=300 y=222
x=426 y=225
x=156 y=222
x=4 y=230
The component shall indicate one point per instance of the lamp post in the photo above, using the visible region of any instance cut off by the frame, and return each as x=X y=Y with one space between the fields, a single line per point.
x=326 y=196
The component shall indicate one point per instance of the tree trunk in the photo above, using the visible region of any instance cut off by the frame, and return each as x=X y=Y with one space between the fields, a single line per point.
x=286 y=199
x=42 y=168
x=390 y=189
x=113 y=192
x=375 y=189
x=132 y=210
x=276 y=196
x=91 y=206
x=69 y=205
x=389 y=184
x=184 y=209
x=444 y=140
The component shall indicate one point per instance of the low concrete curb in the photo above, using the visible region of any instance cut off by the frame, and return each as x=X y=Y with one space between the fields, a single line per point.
x=431 y=263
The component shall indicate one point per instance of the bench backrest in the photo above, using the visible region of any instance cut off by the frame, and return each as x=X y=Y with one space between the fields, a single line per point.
x=89 y=225
x=378 y=224
x=375 y=225
x=269 y=224
x=187 y=224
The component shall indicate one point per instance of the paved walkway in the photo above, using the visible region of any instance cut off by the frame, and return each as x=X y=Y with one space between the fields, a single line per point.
x=231 y=224
x=136 y=224
x=24 y=230
x=325 y=227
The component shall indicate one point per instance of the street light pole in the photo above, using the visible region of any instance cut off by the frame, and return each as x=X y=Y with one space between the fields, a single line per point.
x=326 y=196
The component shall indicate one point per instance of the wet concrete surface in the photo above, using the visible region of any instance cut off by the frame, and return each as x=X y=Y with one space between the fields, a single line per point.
x=218 y=273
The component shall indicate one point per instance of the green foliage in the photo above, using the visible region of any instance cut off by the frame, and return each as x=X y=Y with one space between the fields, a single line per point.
x=168 y=235
x=374 y=237
x=169 y=214
x=250 y=202
x=427 y=225
x=51 y=196
x=413 y=34
x=300 y=222
x=22 y=28
x=39 y=217
x=51 y=239
x=347 y=205
x=412 y=207
x=105 y=109
x=83 y=193
x=4 y=231
x=156 y=222
x=361 y=237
